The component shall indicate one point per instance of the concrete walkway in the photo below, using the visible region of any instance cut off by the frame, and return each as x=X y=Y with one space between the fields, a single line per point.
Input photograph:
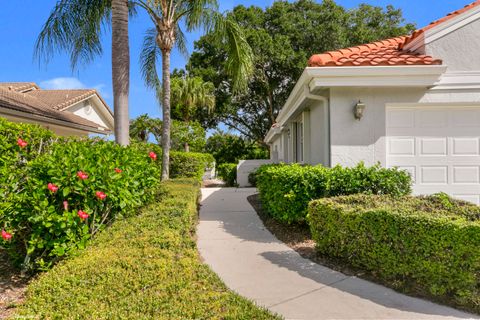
x=252 y=262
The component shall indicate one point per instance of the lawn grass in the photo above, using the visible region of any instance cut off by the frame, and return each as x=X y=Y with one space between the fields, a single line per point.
x=143 y=267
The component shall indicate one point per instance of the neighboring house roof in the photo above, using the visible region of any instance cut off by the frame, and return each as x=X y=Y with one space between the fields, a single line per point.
x=19 y=86
x=384 y=53
x=25 y=98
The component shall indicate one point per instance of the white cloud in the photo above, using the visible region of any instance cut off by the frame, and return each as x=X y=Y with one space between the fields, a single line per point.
x=72 y=83
x=62 y=83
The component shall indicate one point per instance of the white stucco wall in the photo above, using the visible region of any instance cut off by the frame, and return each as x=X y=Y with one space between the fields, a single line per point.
x=319 y=131
x=459 y=49
x=354 y=140
x=88 y=110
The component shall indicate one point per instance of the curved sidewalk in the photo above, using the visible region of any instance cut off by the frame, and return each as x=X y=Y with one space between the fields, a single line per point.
x=251 y=261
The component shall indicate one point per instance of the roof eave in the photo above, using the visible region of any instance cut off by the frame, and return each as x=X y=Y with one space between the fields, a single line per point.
x=31 y=116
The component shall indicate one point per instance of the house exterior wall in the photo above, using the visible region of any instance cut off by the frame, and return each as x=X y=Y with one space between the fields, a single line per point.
x=457 y=49
x=353 y=141
x=87 y=110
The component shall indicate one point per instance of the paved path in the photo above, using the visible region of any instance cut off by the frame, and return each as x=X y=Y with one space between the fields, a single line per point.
x=252 y=262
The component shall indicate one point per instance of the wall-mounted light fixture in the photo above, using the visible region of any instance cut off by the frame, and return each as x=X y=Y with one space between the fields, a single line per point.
x=359 y=110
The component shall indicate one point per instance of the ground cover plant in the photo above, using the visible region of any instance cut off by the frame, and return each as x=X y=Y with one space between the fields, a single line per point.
x=143 y=267
x=286 y=190
x=423 y=245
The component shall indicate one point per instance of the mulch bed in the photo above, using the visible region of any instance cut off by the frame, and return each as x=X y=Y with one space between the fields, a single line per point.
x=12 y=286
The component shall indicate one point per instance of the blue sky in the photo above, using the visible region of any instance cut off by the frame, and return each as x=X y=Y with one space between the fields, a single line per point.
x=21 y=21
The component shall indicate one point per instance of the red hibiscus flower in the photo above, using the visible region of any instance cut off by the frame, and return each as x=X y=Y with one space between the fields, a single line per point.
x=82 y=175
x=6 y=235
x=100 y=195
x=65 y=205
x=82 y=214
x=22 y=143
x=53 y=188
x=152 y=155
x=117 y=170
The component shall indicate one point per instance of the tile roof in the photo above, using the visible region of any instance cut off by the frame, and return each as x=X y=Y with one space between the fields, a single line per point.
x=61 y=99
x=384 y=53
x=25 y=102
x=435 y=23
x=381 y=53
x=19 y=86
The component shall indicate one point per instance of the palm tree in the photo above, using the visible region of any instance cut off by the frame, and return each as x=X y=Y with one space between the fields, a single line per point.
x=190 y=94
x=167 y=17
x=75 y=26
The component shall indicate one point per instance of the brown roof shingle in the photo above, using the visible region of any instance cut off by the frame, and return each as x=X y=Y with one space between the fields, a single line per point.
x=19 y=86
x=61 y=99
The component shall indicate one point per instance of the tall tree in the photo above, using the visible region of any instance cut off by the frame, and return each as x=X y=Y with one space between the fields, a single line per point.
x=75 y=26
x=168 y=16
x=120 y=69
x=283 y=37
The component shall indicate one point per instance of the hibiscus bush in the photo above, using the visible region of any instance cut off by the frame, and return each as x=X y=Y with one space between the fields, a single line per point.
x=61 y=196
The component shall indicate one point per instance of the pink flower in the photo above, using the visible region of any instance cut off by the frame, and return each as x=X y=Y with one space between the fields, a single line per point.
x=65 y=205
x=152 y=155
x=82 y=214
x=21 y=143
x=100 y=195
x=6 y=235
x=53 y=188
x=82 y=175
x=117 y=170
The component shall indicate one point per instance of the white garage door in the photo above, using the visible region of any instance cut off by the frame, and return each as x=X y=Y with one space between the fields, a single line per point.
x=439 y=146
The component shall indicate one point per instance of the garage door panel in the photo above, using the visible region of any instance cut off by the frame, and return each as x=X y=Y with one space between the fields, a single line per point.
x=465 y=146
x=439 y=147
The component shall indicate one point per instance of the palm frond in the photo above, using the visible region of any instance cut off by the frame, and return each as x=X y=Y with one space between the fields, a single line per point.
x=74 y=26
x=148 y=60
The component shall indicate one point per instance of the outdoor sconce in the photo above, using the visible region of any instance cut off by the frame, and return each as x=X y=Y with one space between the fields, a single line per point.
x=359 y=110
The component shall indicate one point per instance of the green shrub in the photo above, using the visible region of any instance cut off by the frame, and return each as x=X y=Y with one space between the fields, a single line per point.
x=189 y=164
x=47 y=221
x=144 y=267
x=182 y=164
x=286 y=190
x=230 y=148
x=426 y=245
x=228 y=173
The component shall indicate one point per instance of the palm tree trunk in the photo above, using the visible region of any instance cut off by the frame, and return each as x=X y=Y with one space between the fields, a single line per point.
x=120 y=70
x=166 y=114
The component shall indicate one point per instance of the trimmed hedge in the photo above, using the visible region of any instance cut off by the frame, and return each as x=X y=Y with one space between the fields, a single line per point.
x=428 y=246
x=143 y=267
x=286 y=190
x=182 y=164
x=228 y=173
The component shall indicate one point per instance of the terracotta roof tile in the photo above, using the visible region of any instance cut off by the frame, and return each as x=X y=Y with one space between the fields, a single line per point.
x=435 y=23
x=380 y=53
x=388 y=52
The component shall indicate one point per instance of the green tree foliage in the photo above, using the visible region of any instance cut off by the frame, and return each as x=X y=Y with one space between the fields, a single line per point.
x=282 y=38
x=190 y=94
x=191 y=133
x=230 y=148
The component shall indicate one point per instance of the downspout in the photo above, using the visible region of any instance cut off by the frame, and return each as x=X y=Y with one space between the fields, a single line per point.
x=326 y=101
